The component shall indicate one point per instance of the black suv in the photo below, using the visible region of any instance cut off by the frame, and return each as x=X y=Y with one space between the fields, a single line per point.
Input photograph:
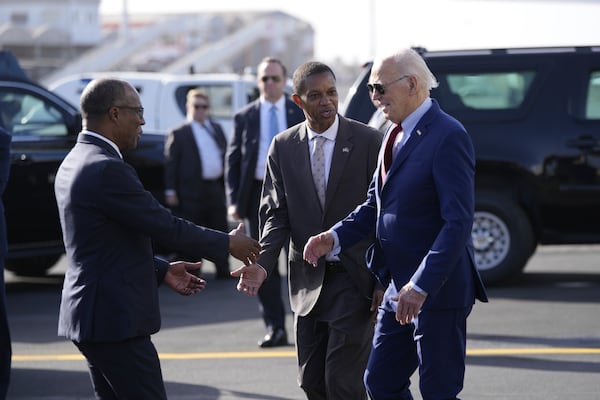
x=44 y=128
x=534 y=117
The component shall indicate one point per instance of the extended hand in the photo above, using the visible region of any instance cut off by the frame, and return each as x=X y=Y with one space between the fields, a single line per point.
x=180 y=280
x=251 y=277
x=409 y=304
x=318 y=246
x=243 y=247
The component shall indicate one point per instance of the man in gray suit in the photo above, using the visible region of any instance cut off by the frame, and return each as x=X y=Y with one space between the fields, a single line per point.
x=334 y=304
x=109 y=305
x=253 y=129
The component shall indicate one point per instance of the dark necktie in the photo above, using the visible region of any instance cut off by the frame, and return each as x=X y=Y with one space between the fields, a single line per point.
x=388 y=151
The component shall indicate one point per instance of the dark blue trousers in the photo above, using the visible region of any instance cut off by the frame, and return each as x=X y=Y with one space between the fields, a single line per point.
x=435 y=344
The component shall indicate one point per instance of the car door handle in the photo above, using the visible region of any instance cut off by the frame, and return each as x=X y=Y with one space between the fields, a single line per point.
x=22 y=159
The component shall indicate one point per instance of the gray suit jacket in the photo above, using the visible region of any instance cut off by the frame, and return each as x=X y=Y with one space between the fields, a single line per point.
x=290 y=205
x=109 y=221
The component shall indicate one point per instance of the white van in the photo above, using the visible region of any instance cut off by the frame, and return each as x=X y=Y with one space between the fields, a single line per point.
x=163 y=95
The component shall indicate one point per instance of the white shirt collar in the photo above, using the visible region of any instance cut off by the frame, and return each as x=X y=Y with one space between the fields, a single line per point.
x=330 y=133
x=97 y=135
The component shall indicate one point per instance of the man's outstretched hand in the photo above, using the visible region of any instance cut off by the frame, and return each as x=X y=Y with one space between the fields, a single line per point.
x=180 y=280
x=317 y=246
x=251 y=277
x=243 y=247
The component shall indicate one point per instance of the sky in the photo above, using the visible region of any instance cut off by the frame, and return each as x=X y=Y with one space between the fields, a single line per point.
x=358 y=30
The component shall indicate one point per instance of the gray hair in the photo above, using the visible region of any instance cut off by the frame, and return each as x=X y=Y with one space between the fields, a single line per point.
x=410 y=62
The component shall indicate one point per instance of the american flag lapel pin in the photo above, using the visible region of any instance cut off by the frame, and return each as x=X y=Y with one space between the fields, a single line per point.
x=345 y=150
x=419 y=132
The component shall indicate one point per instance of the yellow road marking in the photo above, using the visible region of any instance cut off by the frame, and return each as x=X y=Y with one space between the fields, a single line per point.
x=280 y=354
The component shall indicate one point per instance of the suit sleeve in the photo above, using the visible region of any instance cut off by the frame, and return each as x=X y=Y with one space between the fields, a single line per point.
x=234 y=160
x=273 y=212
x=125 y=200
x=172 y=158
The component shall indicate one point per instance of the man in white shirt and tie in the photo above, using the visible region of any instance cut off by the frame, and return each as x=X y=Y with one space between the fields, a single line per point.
x=194 y=170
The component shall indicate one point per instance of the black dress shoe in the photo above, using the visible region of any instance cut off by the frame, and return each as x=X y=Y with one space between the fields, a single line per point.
x=275 y=338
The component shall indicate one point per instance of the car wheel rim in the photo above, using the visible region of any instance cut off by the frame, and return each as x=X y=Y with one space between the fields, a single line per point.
x=491 y=240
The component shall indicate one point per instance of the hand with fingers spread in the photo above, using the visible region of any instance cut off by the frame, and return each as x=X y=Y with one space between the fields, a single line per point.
x=317 y=246
x=180 y=280
x=243 y=247
x=251 y=278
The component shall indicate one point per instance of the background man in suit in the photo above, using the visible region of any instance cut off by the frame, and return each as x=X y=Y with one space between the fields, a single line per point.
x=194 y=185
x=421 y=204
x=109 y=306
x=5 y=343
x=254 y=127
x=334 y=305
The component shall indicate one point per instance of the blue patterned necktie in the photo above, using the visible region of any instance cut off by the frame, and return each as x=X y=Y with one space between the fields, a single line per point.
x=273 y=122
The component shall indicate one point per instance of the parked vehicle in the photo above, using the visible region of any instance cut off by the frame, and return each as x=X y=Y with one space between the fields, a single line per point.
x=534 y=117
x=44 y=127
x=163 y=95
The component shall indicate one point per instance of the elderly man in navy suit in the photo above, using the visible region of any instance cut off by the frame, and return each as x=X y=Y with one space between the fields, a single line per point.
x=109 y=305
x=421 y=205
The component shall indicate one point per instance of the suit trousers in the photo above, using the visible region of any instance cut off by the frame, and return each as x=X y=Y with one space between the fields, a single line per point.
x=124 y=370
x=269 y=294
x=435 y=343
x=333 y=342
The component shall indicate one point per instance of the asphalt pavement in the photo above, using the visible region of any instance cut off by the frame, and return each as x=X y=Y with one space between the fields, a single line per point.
x=537 y=339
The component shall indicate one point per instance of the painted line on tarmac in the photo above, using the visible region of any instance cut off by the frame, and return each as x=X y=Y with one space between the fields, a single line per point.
x=283 y=354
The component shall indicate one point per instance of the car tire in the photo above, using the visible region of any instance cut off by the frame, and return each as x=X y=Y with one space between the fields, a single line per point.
x=502 y=236
x=32 y=266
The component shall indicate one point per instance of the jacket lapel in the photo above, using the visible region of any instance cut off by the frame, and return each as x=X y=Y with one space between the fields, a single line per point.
x=341 y=154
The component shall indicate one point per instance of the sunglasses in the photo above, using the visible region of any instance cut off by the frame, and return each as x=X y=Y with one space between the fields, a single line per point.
x=201 y=106
x=380 y=87
x=274 y=78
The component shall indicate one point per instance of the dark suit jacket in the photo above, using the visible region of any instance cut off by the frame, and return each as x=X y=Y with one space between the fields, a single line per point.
x=5 y=139
x=290 y=205
x=108 y=220
x=183 y=168
x=242 y=152
x=423 y=215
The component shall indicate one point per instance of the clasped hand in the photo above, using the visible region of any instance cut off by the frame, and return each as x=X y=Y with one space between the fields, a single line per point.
x=251 y=277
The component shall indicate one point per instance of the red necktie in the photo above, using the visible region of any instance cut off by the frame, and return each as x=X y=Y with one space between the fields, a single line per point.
x=387 y=152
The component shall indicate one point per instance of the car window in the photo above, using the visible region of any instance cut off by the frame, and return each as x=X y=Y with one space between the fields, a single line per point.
x=26 y=114
x=221 y=99
x=592 y=105
x=486 y=91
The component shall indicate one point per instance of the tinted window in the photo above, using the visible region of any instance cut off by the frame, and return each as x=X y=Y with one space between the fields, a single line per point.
x=487 y=91
x=592 y=104
x=221 y=99
x=25 y=114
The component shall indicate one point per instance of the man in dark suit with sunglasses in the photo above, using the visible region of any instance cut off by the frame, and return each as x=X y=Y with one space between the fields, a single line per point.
x=254 y=128
x=195 y=156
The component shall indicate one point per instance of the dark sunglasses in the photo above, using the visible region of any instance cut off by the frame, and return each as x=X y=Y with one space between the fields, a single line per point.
x=274 y=78
x=202 y=106
x=380 y=87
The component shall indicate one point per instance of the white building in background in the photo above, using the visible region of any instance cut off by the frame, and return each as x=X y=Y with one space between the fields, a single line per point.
x=54 y=38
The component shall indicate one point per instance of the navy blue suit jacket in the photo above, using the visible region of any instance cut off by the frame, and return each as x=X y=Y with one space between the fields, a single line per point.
x=242 y=152
x=109 y=221
x=423 y=215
